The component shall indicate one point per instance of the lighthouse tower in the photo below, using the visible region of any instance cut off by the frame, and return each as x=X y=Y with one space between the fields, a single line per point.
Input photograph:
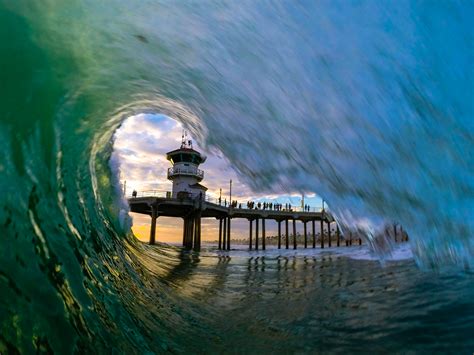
x=184 y=173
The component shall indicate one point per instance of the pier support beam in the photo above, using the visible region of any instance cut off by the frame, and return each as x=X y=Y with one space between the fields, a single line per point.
x=287 y=241
x=228 y=234
x=313 y=222
x=329 y=234
x=184 y=232
x=220 y=234
x=279 y=234
x=224 y=233
x=154 y=216
x=197 y=232
x=322 y=233
x=305 y=235
x=189 y=236
x=256 y=234
x=338 y=236
x=294 y=233
x=250 y=234
x=263 y=233
x=188 y=232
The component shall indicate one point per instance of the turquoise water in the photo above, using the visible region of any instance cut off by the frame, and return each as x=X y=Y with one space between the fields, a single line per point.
x=368 y=104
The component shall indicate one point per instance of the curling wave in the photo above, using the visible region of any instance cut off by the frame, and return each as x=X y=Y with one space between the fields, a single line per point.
x=369 y=104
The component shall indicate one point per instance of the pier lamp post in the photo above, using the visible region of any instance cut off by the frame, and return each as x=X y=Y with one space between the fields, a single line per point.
x=230 y=193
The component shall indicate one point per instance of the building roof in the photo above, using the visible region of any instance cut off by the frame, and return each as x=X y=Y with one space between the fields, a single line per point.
x=170 y=155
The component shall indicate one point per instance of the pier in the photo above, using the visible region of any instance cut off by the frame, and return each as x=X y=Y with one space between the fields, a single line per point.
x=188 y=201
x=193 y=210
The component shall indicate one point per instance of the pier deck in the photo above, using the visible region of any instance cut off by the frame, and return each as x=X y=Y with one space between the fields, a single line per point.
x=171 y=207
x=192 y=210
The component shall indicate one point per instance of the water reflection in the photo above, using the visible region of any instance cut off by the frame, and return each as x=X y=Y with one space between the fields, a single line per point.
x=303 y=303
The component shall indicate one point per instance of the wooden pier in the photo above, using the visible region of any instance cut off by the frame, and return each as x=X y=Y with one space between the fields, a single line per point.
x=193 y=210
x=188 y=201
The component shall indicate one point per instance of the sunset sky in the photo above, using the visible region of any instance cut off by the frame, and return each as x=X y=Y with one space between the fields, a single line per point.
x=141 y=145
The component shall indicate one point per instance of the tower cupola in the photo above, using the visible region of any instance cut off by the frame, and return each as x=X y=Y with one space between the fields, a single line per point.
x=185 y=173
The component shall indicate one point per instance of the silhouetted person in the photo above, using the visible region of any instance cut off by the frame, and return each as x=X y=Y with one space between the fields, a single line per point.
x=134 y=193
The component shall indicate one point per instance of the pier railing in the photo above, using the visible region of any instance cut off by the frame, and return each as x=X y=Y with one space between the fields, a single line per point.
x=150 y=193
x=215 y=199
x=185 y=171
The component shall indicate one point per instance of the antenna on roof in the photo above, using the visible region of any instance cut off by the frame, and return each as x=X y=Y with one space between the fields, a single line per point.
x=183 y=140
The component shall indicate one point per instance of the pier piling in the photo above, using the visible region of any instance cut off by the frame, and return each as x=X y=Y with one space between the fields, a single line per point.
x=228 y=234
x=322 y=233
x=224 y=234
x=256 y=234
x=197 y=232
x=184 y=232
x=294 y=233
x=329 y=234
x=220 y=234
x=287 y=239
x=279 y=234
x=250 y=234
x=263 y=233
x=154 y=216
x=305 y=235
x=189 y=232
x=313 y=222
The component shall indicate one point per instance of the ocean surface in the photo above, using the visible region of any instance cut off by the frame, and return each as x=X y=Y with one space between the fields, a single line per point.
x=369 y=104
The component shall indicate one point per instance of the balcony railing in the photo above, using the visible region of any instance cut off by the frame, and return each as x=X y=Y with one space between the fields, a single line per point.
x=185 y=171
